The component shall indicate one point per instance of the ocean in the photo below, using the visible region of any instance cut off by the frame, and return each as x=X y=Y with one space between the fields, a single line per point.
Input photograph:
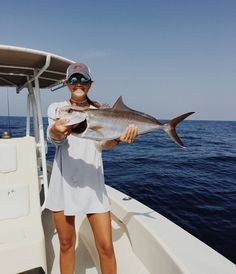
x=194 y=187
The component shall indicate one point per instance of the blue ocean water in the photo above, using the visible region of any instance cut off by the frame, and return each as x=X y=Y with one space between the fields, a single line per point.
x=193 y=187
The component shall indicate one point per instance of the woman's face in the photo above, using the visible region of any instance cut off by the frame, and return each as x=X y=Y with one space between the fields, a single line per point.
x=78 y=86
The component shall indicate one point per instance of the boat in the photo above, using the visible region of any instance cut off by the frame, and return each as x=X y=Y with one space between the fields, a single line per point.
x=144 y=241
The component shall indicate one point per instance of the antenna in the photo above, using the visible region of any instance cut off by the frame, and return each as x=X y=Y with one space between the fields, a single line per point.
x=58 y=85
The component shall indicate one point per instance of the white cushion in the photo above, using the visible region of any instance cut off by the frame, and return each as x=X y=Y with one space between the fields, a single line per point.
x=14 y=201
x=8 y=158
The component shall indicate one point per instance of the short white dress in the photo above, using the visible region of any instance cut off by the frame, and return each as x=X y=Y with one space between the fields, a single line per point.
x=77 y=184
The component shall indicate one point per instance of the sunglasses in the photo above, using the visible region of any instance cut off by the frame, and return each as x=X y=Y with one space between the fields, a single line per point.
x=75 y=79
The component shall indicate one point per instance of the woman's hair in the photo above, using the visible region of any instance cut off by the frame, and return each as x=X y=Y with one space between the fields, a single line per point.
x=93 y=103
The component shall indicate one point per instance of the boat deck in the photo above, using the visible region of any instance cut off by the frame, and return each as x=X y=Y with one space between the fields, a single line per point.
x=86 y=255
x=84 y=262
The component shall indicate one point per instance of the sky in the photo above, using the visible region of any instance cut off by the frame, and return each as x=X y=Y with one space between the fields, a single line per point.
x=164 y=57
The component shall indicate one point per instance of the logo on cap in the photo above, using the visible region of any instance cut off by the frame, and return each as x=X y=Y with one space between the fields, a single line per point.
x=76 y=67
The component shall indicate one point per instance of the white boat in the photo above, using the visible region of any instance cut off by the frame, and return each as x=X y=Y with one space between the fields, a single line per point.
x=144 y=240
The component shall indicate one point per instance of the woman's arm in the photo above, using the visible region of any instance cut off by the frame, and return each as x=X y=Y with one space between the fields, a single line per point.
x=55 y=131
x=110 y=143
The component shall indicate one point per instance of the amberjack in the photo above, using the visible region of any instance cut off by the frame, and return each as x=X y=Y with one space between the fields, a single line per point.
x=110 y=123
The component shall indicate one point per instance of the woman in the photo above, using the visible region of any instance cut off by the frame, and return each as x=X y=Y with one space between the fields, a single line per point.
x=77 y=179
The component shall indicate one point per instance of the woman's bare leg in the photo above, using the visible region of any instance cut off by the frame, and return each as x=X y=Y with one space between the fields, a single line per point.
x=101 y=226
x=65 y=226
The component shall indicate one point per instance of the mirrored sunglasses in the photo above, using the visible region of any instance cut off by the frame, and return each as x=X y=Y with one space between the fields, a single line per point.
x=75 y=79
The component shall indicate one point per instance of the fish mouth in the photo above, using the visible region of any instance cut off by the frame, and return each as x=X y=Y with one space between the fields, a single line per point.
x=79 y=128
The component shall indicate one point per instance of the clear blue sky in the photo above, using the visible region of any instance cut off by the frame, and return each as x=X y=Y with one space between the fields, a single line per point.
x=164 y=57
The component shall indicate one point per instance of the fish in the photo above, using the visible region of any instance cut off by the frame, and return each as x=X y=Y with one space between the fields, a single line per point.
x=110 y=123
x=74 y=114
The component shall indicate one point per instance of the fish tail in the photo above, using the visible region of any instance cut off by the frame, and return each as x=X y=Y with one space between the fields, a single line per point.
x=169 y=127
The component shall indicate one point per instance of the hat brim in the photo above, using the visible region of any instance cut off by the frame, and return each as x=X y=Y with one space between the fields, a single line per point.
x=86 y=76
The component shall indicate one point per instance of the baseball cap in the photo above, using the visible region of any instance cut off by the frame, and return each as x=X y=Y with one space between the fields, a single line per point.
x=78 y=68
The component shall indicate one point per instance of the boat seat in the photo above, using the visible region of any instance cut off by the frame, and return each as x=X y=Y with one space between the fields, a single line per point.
x=22 y=244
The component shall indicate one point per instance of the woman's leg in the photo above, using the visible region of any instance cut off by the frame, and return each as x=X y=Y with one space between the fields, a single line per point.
x=65 y=226
x=102 y=231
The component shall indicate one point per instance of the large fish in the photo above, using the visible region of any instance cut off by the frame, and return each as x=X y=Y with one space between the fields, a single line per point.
x=110 y=123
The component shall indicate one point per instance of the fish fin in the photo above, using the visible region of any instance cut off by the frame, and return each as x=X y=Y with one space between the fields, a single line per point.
x=169 y=127
x=97 y=128
x=119 y=105
x=93 y=134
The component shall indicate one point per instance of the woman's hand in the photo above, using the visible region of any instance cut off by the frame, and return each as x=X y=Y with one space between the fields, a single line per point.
x=129 y=135
x=59 y=130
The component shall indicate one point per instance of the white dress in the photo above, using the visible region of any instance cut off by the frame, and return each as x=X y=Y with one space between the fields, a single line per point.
x=77 y=180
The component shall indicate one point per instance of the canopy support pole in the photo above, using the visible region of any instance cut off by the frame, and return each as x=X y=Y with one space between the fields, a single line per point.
x=41 y=143
x=41 y=71
x=32 y=102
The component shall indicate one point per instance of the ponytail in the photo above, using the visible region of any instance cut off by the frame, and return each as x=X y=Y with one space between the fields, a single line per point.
x=93 y=103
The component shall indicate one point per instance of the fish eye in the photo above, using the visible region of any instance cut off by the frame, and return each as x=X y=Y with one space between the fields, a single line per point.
x=70 y=110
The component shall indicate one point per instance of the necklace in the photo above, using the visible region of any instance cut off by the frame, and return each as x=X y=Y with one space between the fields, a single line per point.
x=80 y=103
